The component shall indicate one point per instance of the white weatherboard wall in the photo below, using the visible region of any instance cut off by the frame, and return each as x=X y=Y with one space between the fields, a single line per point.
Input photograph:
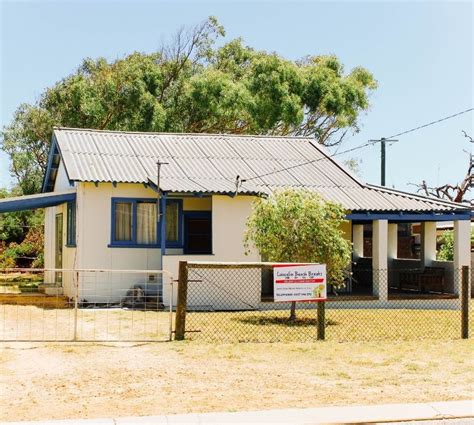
x=229 y=216
x=94 y=236
x=62 y=180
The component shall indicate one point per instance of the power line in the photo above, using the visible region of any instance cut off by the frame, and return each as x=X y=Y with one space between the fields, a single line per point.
x=385 y=140
x=430 y=123
x=309 y=162
x=369 y=143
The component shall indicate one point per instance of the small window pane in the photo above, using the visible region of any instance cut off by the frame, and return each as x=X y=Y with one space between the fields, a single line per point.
x=123 y=221
x=172 y=222
x=146 y=223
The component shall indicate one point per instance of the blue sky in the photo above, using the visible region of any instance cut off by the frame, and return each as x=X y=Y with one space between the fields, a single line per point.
x=421 y=53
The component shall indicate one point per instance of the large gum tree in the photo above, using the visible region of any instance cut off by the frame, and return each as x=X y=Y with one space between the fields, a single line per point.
x=190 y=85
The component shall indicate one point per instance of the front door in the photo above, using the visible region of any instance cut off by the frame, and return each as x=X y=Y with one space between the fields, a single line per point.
x=58 y=261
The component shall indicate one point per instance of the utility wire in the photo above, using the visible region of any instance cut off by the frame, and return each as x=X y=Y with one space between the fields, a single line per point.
x=430 y=123
x=309 y=162
x=370 y=143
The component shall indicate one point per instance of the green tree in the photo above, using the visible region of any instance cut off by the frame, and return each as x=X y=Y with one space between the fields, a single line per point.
x=446 y=249
x=446 y=242
x=21 y=234
x=299 y=226
x=190 y=85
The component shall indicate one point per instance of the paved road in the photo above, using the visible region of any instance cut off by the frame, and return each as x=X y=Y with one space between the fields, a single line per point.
x=410 y=414
x=435 y=422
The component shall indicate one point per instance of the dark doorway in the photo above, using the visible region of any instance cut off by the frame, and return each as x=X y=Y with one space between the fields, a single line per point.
x=197 y=232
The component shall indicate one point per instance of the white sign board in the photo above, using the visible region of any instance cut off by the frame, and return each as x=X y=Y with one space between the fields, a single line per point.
x=299 y=282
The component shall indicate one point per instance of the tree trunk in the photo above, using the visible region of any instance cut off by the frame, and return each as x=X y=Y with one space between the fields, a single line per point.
x=293 y=311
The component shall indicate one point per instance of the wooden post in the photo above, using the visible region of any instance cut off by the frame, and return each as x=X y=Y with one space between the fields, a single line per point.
x=465 y=302
x=321 y=321
x=181 y=303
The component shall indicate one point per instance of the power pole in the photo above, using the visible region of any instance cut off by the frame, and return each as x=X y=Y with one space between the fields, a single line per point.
x=158 y=173
x=158 y=187
x=161 y=222
x=382 y=142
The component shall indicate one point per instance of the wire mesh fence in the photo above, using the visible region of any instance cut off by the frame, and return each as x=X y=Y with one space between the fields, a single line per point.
x=234 y=303
x=228 y=303
x=85 y=305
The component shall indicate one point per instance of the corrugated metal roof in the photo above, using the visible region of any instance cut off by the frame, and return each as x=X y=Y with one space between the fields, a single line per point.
x=211 y=163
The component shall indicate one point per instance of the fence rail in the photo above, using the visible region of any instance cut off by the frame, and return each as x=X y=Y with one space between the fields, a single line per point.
x=85 y=305
x=231 y=302
x=227 y=302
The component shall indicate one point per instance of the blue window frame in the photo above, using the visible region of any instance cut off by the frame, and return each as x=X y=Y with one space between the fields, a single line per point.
x=127 y=229
x=174 y=224
x=71 y=224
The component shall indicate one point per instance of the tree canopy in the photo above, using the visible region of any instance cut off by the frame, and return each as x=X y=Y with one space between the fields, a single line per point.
x=299 y=226
x=191 y=85
x=21 y=236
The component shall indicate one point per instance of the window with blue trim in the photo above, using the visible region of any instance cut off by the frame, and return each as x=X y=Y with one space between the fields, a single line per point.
x=174 y=224
x=134 y=223
x=71 y=224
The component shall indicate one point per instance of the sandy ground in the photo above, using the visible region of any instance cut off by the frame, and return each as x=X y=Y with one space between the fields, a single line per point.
x=65 y=380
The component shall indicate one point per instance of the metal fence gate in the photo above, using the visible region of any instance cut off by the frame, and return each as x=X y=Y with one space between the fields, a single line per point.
x=85 y=305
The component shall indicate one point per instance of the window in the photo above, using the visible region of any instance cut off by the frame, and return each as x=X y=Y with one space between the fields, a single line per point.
x=134 y=223
x=172 y=221
x=71 y=224
x=146 y=223
x=123 y=221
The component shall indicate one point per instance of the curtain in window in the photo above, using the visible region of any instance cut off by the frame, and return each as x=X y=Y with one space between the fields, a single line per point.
x=123 y=221
x=172 y=222
x=146 y=223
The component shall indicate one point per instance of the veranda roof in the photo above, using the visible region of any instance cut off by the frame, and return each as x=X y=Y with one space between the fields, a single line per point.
x=31 y=202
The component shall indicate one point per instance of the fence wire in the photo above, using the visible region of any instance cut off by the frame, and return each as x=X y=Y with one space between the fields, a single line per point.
x=234 y=303
x=85 y=305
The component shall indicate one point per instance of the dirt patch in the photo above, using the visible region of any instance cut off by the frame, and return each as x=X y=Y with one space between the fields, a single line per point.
x=56 y=381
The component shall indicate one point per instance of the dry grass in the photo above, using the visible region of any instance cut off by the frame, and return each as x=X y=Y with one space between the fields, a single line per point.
x=341 y=325
x=44 y=322
x=38 y=322
x=52 y=381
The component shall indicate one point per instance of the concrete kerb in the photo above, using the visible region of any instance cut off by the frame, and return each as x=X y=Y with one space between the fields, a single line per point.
x=324 y=415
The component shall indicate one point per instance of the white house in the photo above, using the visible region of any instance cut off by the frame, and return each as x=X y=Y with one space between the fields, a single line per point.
x=101 y=189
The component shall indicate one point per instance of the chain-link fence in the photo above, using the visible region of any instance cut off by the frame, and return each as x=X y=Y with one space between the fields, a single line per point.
x=228 y=303
x=85 y=305
x=234 y=302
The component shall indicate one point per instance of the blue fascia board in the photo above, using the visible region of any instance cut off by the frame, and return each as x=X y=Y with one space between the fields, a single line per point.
x=409 y=217
x=52 y=151
x=34 y=203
